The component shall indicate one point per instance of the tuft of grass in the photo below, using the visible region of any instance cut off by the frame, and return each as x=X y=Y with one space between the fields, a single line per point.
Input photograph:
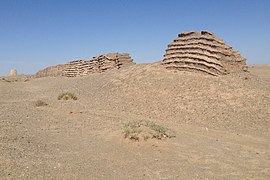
x=67 y=96
x=143 y=130
x=40 y=103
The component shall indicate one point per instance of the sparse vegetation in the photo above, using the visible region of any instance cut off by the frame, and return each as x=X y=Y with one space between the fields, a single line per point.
x=143 y=130
x=67 y=96
x=40 y=103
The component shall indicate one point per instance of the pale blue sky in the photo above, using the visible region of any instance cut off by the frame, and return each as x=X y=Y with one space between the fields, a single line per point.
x=35 y=34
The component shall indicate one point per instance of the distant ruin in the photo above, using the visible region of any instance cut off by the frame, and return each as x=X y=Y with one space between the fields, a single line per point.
x=190 y=51
x=13 y=72
x=202 y=52
x=98 y=64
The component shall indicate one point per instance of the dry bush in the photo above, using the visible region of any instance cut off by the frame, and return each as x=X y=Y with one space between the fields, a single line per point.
x=67 y=96
x=143 y=130
x=40 y=103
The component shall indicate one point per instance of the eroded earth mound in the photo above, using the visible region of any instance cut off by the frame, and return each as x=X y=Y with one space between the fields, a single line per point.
x=98 y=64
x=203 y=52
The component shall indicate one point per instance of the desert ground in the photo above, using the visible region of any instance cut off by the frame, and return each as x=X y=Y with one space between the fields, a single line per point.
x=221 y=125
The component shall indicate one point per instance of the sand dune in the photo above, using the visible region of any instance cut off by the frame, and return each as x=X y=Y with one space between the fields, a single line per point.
x=221 y=124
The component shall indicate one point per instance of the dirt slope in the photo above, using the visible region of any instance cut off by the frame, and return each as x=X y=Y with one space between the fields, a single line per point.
x=221 y=124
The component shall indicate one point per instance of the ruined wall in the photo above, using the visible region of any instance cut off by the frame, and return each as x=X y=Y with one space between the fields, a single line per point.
x=202 y=52
x=124 y=59
x=98 y=64
x=52 y=71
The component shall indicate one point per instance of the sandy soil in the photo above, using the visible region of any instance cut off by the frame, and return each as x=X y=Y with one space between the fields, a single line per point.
x=221 y=123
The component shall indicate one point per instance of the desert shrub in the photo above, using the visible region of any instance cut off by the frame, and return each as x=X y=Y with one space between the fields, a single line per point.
x=67 y=96
x=143 y=130
x=40 y=103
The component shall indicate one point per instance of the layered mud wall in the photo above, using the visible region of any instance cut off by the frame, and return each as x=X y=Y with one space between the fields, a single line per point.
x=98 y=64
x=202 y=52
